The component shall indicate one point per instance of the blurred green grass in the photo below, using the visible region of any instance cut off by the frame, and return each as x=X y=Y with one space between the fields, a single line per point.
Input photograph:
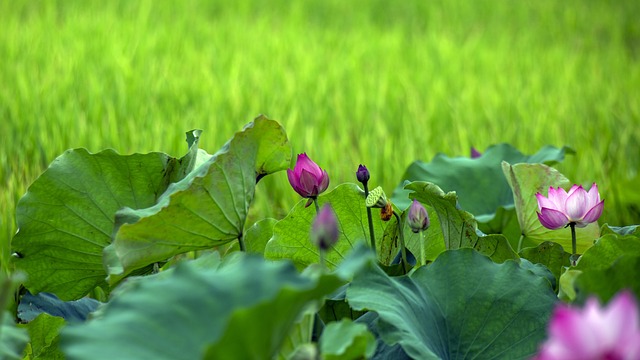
x=377 y=82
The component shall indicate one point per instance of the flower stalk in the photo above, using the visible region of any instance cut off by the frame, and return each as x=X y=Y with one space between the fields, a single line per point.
x=363 y=177
x=403 y=250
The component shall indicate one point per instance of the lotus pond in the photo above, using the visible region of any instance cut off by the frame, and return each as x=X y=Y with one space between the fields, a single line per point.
x=485 y=256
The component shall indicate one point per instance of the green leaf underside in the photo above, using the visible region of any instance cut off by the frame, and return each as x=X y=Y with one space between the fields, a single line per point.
x=528 y=179
x=291 y=235
x=242 y=308
x=479 y=183
x=461 y=305
x=457 y=228
x=207 y=208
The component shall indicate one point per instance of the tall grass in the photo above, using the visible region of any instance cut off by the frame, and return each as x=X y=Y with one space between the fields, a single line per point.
x=375 y=82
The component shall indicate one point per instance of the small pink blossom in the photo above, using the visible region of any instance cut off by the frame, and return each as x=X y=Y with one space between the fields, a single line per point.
x=594 y=332
x=561 y=208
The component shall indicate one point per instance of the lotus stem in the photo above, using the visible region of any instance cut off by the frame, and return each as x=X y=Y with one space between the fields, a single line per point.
x=574 y=257
x=315 y=202
x=371 y=234
x=403 y=250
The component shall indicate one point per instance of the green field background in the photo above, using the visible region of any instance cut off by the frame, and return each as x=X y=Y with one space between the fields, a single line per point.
x=381 y=83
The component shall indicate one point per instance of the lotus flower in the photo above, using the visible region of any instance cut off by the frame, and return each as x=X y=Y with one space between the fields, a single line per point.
x=324 y=231
x=562 y=208
x=475 y=153
x=418 y=218
x=593 y=332
x=307 y=178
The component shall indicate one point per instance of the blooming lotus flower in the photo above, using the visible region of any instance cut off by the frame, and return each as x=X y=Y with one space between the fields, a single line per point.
x=324 y=231
x=562 y=208
x=418 y=218
x=307 y=178
x=591 y=333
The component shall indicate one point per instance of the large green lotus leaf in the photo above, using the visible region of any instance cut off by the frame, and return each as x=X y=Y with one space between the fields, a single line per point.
x=607 y=250
x=463 y=305
x=207 y=208
x=457 y=227
x=346 y=340
x=242 y=308
x=479 y=182
x=291 y=235
x=528 y=179
x=624 y=273
x=66 y=217
x=549 y=254
x=44 y=332
x=610 y=265
x=12 y=338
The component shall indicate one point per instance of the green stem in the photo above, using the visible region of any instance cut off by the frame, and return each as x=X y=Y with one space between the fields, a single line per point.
x=371 y=234
x=423 y=259
x=574 y=257
x=241 y=242
x=520 y=243
x=403 y=250
x=323 y=264
x=315 y=202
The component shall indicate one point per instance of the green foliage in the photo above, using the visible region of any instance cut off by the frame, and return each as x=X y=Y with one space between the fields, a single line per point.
x=608 y=267
x=479 y=183
x=457 y=228
x=406 y=80
x=528 y=179
x=549 y=254
x=291 y=235
x=44 y=334
x=67 y=216
x=12 y=338
x=242 y=308
x=462 y=304
x=346 y=340
x=208 y=208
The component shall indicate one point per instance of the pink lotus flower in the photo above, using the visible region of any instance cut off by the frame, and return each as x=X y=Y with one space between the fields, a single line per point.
x=593 y=332
x=307 y=178
x=577 y=206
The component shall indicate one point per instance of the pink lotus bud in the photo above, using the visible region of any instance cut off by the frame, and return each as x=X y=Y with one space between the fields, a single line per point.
x=418 y=218
x=324 y=232
x=307 y=178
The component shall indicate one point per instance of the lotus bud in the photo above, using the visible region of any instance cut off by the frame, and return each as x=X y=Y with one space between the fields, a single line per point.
x=363 y=174
x=307 y=178
x=418 y=217
x=324 y=231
